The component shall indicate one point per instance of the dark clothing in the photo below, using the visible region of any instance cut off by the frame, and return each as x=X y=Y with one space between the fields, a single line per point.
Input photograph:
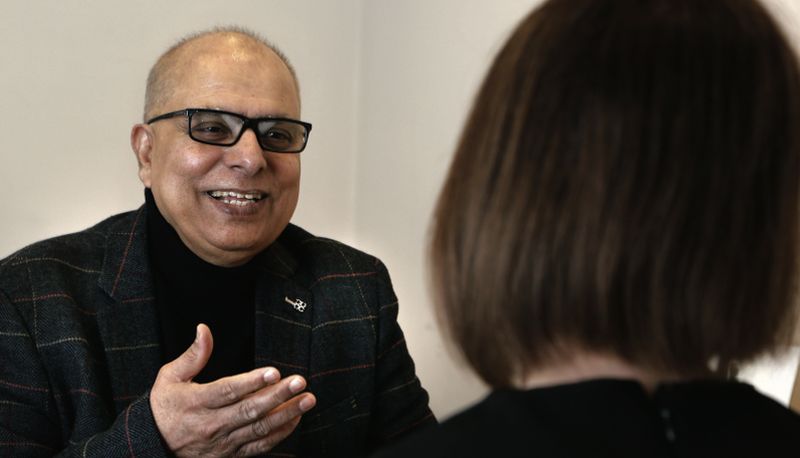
x=189 y=291
x=80 y=344
x=614 y=418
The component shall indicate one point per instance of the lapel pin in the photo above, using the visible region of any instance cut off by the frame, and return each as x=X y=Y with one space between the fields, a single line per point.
x=297 y=304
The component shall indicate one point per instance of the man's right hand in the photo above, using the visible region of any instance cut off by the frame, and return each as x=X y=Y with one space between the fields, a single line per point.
x=241 y=415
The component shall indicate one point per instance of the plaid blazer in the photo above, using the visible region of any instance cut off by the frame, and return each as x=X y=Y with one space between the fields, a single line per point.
x=79 y=345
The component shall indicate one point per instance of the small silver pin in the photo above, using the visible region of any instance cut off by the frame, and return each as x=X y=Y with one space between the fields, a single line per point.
x=297 y=304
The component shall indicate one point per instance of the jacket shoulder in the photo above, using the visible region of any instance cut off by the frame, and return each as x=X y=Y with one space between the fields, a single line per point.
x=320 y=256
x=78 y=253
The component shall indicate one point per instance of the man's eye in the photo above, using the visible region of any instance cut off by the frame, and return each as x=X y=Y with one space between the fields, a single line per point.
x=278 y=136
x=210 y=131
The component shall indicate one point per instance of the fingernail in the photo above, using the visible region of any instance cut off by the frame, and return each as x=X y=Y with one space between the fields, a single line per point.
x=197 y=334
x=307 y=403
x=271 y=375
x=296 y=385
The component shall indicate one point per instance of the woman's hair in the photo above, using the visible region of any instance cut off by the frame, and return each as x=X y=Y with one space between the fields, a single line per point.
x=627 y=183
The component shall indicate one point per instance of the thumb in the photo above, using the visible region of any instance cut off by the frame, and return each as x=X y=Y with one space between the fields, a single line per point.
x=186 y=366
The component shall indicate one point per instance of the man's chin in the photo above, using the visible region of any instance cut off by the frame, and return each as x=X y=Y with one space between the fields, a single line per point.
x=232 y=253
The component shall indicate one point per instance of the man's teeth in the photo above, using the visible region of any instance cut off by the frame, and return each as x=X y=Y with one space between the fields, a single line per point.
x=236 y=198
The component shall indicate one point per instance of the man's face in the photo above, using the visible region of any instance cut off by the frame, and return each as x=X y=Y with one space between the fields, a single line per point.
x=191 y=181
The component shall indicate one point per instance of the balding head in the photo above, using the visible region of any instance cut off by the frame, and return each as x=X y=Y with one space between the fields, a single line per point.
x=192 y=50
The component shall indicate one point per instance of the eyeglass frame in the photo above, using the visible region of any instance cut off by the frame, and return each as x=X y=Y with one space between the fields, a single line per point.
x=248 y=123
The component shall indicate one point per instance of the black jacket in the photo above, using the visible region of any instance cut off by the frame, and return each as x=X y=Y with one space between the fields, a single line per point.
x=80 y=349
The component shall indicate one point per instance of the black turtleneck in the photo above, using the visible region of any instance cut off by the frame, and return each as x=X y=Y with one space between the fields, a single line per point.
x=190 y=291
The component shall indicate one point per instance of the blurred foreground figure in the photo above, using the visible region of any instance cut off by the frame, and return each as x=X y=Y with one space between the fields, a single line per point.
x=618 y=228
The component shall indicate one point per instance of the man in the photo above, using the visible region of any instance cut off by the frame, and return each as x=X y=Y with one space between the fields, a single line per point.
x=94 y=326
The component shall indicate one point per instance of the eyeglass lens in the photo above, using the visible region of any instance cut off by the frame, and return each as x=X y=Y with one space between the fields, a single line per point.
x=224 y=129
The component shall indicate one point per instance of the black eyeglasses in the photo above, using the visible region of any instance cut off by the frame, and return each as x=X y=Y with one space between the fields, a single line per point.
x=223 y=128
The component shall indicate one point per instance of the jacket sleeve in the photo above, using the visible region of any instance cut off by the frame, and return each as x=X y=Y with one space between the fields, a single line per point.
x=31 y=421
x=401 y=404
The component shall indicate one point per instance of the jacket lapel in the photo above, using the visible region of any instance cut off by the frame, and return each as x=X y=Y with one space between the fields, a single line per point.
x=284 y=317
x=284 y=311
x=127 y=321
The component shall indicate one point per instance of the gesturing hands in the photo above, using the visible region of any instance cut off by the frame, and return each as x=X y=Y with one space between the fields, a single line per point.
x=241 y=415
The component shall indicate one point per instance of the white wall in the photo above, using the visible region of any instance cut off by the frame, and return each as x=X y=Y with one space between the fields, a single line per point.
x=386 y=83
x=423 y=61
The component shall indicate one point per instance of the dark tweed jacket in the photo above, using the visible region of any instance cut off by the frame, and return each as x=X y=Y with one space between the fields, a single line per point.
x=79 y=345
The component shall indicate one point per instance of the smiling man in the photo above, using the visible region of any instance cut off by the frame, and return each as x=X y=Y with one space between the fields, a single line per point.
x=106 y=334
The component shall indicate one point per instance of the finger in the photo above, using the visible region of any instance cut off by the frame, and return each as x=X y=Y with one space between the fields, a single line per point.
x=265 y=425
x=194 y=359
x=229 y=390
x=255 y=407
x=265 y=444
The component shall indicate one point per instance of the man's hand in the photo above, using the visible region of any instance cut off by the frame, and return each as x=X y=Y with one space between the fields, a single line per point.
x=241 y=415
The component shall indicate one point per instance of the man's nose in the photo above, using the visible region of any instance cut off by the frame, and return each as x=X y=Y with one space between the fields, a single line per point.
x=246 y=155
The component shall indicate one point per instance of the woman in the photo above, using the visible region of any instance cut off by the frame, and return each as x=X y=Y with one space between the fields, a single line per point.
x=619 y=227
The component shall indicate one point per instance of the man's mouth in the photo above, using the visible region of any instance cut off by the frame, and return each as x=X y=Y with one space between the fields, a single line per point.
x=237 y=198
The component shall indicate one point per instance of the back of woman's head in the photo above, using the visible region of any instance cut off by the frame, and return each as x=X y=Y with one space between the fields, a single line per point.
x=627 y=183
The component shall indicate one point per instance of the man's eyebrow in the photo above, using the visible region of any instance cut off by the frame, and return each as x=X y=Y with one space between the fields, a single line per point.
x=272 y=115
x=278 y=114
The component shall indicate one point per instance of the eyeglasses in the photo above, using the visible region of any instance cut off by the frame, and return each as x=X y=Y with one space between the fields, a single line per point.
x=223 y=128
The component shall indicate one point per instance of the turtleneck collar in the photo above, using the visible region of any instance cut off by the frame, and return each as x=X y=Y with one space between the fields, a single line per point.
x=173 y=255
x=190 y=290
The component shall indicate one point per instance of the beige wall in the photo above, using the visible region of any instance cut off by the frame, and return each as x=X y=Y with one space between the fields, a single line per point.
x=386 y=83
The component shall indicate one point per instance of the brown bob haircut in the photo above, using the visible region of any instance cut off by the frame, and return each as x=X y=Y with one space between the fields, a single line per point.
x=627 y=184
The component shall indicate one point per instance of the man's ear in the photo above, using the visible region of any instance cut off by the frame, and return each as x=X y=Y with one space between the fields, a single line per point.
x=142 y=145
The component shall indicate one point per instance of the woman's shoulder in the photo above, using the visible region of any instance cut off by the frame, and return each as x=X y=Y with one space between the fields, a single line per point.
x=608 y=417
x=498 y=425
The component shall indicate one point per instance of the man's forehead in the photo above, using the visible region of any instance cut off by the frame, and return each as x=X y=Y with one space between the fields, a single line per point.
x=228 y=71
x=219 y=68
x=238 y=49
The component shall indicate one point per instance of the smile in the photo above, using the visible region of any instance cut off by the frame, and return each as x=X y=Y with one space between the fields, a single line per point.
x=237 y=198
